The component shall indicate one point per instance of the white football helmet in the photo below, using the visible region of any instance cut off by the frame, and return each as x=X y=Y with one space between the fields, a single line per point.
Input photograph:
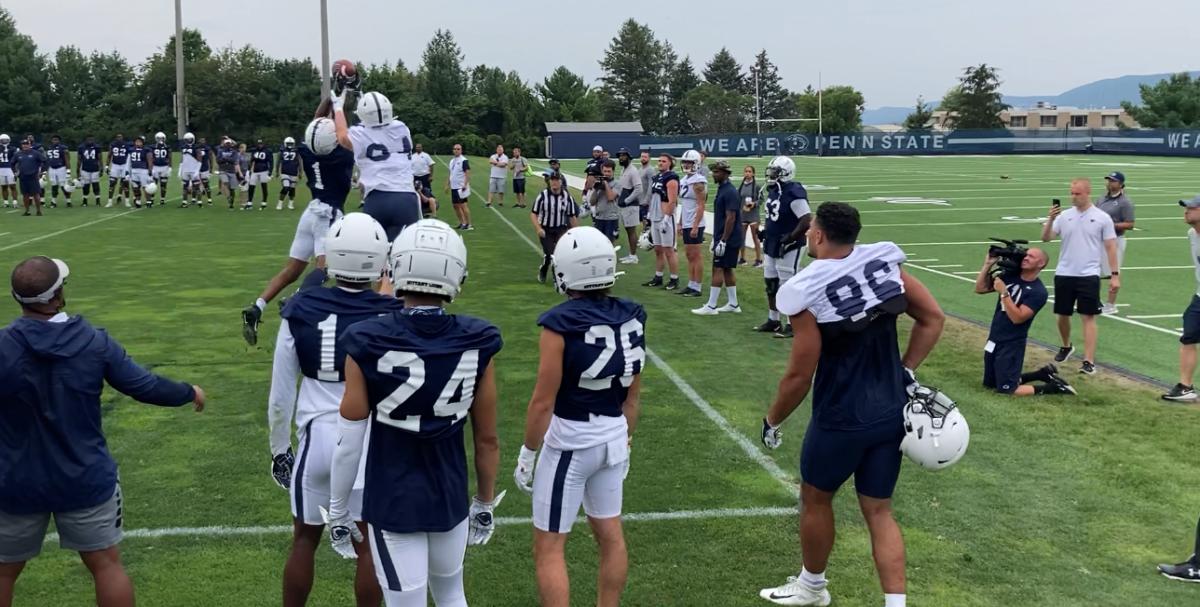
x=160 y=137
x=69 y=186
x=644 y=242
x=356 y=248
x=4 y=140
x=584 y=260
x=692 y=157
x=289 y=142
x=374 y=109
x=429 y=257
x=188 y=137
x=151 y=188
x=935 y=432
x=781 y=168
x=321 y=136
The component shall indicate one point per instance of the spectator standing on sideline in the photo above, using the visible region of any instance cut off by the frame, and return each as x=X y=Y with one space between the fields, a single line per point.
x=728 y=238
x=1087 y=234
x=458 y=181
x=422 y=165
x=751 y=196
x=553 y=213
x=629 y=196
x=53 y=457
x=497 y=176
x=647 y=172
x=702 y=168
x=602 y=200
x=519 y=166
x=1184 y=391
x=29 y=164
x=1120 y=209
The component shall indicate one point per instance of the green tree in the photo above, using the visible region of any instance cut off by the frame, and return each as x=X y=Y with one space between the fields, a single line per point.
x=631 y=84
x=772 y=96
x=565 y=97
x=714 y=109
x=25 y=92
x=919 y=119
x=682 y=81
x=724 y=71
x=839 y=107
x=1173 y=103
x=442 y=77
x=977 y=104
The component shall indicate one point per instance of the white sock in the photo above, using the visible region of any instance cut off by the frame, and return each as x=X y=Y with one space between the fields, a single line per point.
x=658 y=274
x=773 y=315
x=261 y=303
x=894 y=600
x=713 y=294
x=674 y=277
x=816 y=580
x=694 y=285
x=732 y=293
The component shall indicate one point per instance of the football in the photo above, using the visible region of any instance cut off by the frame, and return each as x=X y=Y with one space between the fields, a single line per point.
x=344 y=69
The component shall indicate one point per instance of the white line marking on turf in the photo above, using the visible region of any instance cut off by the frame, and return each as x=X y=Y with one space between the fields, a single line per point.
x=751 y=450
x=65 y=230
x=1150 y=316
x=632 y=517
x=979 y=242
x=948 y=265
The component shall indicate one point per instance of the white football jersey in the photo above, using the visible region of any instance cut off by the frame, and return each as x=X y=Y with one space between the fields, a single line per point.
x=458 y=172
x=189 y=163
x=845 y=289
x=687 y=199
x=384 y=157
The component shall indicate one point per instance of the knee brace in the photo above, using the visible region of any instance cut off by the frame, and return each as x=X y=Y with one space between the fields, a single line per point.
x=772 y=286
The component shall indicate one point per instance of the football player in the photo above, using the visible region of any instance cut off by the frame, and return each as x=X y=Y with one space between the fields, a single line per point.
x=692 y=194
x=787 y=216
x=262 y=163
x=327 y=169
x=289 y=174
x=139 y=172
x=307 y=349
x=118 y=171
x=160 y=173
x=664 y=196
x=206 y=162
x=230 y=167
x=8 y=179
x=582 y=415
x=414 y=376
x=382 y=149
x=244 y=174
x=87 y=168
x=728 y=238
x=58 y=158
x=189 y=171
x=843 y=308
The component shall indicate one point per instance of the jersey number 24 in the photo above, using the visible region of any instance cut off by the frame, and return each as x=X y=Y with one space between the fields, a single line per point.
x=453 y=402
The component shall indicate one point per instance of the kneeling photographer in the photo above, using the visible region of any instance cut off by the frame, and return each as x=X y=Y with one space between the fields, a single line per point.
x=1012 y=271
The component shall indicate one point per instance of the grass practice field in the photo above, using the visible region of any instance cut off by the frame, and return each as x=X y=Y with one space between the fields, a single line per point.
x=1060 y=500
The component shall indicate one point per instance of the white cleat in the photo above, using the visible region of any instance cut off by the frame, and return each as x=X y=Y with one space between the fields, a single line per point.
x=291 y=206
x=279 y=206
x=730 y=308
x=705 y=310
x=796 y=592
x=109 y=205
x=1108 y=309
x=127 y=204
x=629 y=259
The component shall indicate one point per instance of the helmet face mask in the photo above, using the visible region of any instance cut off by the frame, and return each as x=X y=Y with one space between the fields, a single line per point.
x=936 y=433
x=689 y=161
x=188 y=137
x=781 y=168
x=160 y=137
x=289 y=142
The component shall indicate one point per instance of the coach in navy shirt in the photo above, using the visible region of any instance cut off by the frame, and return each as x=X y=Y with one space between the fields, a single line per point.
x=54 y=459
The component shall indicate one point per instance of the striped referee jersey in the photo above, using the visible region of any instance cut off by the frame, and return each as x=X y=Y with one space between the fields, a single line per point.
x=554 y=210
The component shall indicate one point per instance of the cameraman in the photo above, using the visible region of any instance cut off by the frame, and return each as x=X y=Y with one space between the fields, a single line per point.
x=1022 y=295
x=591 y=172
x=603 y=201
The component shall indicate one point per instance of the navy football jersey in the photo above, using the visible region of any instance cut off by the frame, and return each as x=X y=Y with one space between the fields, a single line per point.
x=604 y=343
x=89 y=158
x=660 y=184
x=8 y=155
x=139 y=158
x=859 y=380
x=205 y=157
x=329 y=176
x=56 y=155
x=261 y=160
x=162 y=155
x=781 y=218
x=289 y=161
x=118 y=153
x=318 y=317
x=421 y=371
x=189 y=149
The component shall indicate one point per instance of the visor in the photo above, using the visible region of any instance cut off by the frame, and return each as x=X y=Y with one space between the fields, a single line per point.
x=63 y=273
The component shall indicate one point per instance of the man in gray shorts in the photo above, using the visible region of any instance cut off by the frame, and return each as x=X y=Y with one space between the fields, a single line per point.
x=53 y=457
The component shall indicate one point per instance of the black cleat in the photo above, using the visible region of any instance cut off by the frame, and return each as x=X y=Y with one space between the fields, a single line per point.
x=1057 y=385
x=1087 y=368
x=672 y=284
x=251 y=317
x=657 y=281
x=689 y=292
x=1064 y=353
x=1181 y=394
x=542 y=271
x=1187 y=571
x=785 y=332
x=770 y=326
x=68 y=204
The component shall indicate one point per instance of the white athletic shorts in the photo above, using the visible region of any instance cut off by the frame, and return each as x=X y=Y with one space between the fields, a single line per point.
x=161 y=173
x=404 y=561
x=784 y=267
x=7 y=177
x=261 y=177
x=139 y=176
x=630 y=217
x=89 y=177
x=288 y=181
x=314 y=224
x=188 y=177
x=205 y=176
x=118 y=171
x=310 y=477
x=663 y=232
x=563 y=480
x=59 y=176
x=1104 y=269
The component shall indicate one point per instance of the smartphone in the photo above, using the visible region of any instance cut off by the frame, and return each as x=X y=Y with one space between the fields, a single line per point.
x=1056 y=202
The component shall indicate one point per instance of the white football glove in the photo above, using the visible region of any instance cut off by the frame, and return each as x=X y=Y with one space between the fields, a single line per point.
x=339 y=102
x=911 y=385
x=772 y=436
x=523 y=475
x=482 y=523
x=719 y=248
x=342 y=533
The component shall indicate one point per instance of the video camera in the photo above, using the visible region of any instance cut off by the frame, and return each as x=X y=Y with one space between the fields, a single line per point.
x=1009 y=256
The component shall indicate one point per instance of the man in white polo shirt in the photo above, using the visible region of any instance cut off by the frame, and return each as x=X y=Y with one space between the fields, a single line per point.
x=1087 y=233
x=497 y=176
x=422 y=164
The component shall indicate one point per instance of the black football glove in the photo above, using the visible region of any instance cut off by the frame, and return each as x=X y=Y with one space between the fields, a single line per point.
x=281 y=468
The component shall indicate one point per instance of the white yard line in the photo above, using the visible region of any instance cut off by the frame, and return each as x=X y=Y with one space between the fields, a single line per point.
x=1150 y=316
x=70 y=229
x=979 y=242
x=948 y=265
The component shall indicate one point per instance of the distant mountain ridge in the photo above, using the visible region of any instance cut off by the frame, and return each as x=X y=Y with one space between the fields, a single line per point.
x=1109 y=92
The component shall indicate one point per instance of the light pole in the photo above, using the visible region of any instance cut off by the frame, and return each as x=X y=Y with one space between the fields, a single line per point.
x=180 y=97
x=323 y=69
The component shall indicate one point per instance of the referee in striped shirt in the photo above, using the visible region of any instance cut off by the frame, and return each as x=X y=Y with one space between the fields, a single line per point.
x=553 y=213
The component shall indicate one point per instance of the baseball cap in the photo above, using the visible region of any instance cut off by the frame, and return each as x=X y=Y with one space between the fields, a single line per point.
x=1117 y=176
x=720 y=165
x=1193 y=203
x=598 y=149
x=624 y=151
x=45 y=297
x=553 y=175
x=553 y=161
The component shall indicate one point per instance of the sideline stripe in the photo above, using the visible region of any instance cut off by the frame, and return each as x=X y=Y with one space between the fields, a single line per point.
x=751 y=450
x=504 y=521
x=82 y=225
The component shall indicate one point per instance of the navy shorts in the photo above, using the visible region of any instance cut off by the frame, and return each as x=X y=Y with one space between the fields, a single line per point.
x=30 y=186
x=1002 y=366
x=1076 y=293
x=729 y=260
x=643 y=211
x=393 y=210
x=457 y=198
x=608 y=227
x=687 y=236
x=872 y=455
x=518 y=186
x=1191 y=322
